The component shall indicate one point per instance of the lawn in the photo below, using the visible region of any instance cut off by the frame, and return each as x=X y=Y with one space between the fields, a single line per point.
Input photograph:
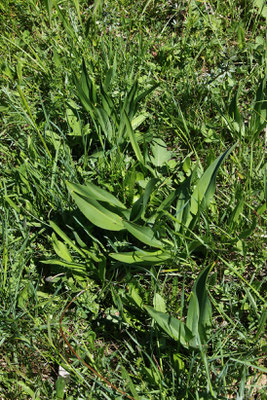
x=133 y=191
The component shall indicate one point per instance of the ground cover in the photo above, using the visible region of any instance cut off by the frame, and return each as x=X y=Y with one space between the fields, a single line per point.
x=133 y=199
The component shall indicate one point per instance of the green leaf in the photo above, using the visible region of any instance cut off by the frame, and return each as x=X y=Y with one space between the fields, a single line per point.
x=26 y=389
x=134 y=294
x=205 y=187
x=160 y=153
x=86 y=90
x=137 y=121
x=111 y=73
x=199 y=313
x=238 y=209
x=159 y=303
x=139 y=206
x=182 y=205
x=61 y=249
x=133 y=140
x=143 y=233
x=74 y=124
x=175 y=328
x=145 y=93
x=98 y=215
x=72 y=266
x=129 y=381
x=63 y=236
x=91 y=191
x=60 y=387
x=262 y=8
x=141 y=257
x=104 y=122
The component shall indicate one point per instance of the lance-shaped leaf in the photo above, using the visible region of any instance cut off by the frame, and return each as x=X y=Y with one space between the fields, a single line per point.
x=141 y=257
x=63 y=236
x=98 y=215
x=139 y=206
x=175 y=328
x=199 y=311
x=104 y=122
x=73 y=266
x=182 y=205
x=205 y=187
x=133 y=139
x=61 y=249
x=143 y=233
x=91 y=191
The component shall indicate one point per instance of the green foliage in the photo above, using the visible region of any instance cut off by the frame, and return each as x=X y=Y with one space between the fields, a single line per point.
x=133 y=182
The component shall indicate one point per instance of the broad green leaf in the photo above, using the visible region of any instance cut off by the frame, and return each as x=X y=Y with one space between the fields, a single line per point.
x=234 y=111
x=168 y=201
x=160 y=153
x=11 y=203
x=137 y=121
x=104 y=122
x=83 y=97
x=159 y=303
x=182 y=205
x=97 y=6
x=238 y=209
x=205 y=187
x=63 y=236
x=133 y=140
x=261 y=324
x=111 y=73
x=60 y=387
x=199 y=313
x=72 y=266
x=107 y=103
x=86 y=90
x=141 y=257
x=87 y=84
x=262 y=7
x=129 y=104
x=26 y=389
x=143 y=233
x=91 y=191
x=74 y=124
x=61 y=249
x=259 y=110
x=175 y=328
x=133 y=293
x=139 y=206
x=98 y=215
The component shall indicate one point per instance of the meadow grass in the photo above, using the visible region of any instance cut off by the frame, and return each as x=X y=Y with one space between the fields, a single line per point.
x=133 y=199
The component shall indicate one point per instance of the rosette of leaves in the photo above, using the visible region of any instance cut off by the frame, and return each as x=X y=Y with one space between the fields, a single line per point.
x=137 y=229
